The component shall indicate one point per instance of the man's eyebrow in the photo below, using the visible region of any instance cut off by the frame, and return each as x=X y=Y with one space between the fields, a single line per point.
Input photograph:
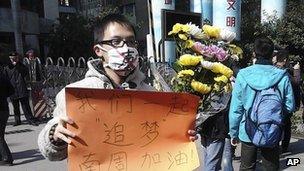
x=119 y=37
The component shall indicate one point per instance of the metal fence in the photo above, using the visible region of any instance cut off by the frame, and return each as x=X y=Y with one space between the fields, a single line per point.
x=56 y=74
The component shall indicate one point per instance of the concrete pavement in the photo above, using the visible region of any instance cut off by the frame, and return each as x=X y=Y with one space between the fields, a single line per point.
x=22 y=140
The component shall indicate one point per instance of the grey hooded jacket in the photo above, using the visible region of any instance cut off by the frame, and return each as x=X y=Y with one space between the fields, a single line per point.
x=94 y=78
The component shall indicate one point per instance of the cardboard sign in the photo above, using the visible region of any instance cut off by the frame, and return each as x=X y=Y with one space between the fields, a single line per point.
x=120 y=130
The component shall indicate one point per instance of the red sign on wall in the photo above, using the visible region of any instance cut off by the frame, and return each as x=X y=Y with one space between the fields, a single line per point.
x=231 y=4
x=230 y=21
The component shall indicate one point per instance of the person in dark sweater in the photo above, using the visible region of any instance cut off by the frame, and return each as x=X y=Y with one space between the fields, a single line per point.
x=17 y=73
x=281 y=60
x=212 y=125
x=6 y=89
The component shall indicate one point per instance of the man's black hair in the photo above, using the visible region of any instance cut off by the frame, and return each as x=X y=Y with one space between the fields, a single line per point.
x=263 y=48
x=282 y=55
x=14 y=54
x=102 y=25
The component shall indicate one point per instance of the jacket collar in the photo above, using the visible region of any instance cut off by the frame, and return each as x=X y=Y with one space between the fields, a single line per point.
x=95 y=69
x=263 y=61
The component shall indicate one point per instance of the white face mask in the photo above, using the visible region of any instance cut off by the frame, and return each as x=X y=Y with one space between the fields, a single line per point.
x=122 y=60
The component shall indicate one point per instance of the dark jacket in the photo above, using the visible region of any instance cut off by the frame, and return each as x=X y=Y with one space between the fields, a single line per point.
x=216 y=127
x=6 y=89
x=212 y=120
x=17 y=74
x=296 y=86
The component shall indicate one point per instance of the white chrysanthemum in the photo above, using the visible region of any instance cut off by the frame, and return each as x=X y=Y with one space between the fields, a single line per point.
x=235 y=57
x=227 y=35
x=195 y=31
x=207 y=64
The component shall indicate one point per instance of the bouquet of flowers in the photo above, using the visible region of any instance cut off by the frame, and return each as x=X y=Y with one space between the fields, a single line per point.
x=203 y=66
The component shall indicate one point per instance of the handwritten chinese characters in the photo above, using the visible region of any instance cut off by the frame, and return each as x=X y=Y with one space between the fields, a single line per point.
x=131 y=131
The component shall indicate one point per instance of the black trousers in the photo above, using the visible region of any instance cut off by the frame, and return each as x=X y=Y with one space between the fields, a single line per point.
x=287 y=133
x=270 y=157
x=4 y=150
x=25 y=107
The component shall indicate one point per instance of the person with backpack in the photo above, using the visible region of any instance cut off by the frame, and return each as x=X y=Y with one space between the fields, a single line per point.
x=260 y=95
x=6 y=89
x=281 y=61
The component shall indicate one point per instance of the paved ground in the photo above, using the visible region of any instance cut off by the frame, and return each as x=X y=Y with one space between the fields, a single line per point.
x=22 y=141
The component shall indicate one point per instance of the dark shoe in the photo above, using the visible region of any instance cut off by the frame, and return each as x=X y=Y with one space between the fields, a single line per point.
x=6 y=163
x=17 y=123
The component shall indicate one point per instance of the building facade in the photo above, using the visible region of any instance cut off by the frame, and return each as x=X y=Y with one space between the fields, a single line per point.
x=25 y=24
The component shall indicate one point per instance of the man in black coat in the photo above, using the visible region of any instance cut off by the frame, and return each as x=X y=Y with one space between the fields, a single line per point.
x=17 y=73
x=6 y=89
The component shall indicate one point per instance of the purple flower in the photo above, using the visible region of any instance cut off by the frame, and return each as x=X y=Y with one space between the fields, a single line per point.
x=210 y=51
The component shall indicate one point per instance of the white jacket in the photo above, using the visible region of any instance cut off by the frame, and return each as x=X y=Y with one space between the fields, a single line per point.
x=94 y=78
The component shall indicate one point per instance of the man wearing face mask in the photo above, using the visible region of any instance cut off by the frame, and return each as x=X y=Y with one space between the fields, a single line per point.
x=116 y=68
x=17 y=73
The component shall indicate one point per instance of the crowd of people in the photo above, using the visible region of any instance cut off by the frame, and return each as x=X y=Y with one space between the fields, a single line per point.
x=118 y=66
x=14 y=85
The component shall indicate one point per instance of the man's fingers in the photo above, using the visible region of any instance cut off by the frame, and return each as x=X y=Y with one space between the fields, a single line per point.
x=64 y=138
x=193 y=138
x=65 y=131
x=65 y=119
x=192 y=132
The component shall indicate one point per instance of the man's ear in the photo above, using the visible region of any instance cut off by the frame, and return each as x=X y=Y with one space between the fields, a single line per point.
x=98 y=50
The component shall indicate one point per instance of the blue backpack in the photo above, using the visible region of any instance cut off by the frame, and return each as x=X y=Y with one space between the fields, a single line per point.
x=264 y=122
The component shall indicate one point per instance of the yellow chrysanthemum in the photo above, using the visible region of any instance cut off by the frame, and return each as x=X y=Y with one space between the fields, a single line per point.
x=211 y=31
x=186 y=28
x=176 y=28
x=236 y=50
x=228 y=88
x=182 y=36
x=189 y=60
x=183 y=73
x=200 y=87
x=189 y=43
x=221 y=69
x=216 y=87
x=222 y=78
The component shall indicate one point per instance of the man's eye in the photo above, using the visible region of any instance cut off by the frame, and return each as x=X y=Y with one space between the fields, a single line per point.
x=116 y=42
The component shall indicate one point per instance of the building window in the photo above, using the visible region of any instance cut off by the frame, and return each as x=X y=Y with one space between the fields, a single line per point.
x=5 y=4
x=65 y=3
x=168 y=2
x=128 y=9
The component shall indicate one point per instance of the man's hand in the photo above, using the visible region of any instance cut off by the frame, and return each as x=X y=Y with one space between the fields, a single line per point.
x=192 y=135
x=61 y=133
x=234 y=141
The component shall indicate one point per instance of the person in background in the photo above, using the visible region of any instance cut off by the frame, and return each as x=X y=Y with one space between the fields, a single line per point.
x=17 y=73
x=6 y=89
x=34 y=65
x=260 y=76
x=281 y=60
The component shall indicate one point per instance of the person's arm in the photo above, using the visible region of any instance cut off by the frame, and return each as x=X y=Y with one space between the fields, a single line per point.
x=297 y=74
x=236 y=110
x=48 y=149
x=288 y=96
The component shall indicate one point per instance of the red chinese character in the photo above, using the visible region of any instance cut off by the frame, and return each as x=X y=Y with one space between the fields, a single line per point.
x=231 y=4
x=230 y=21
